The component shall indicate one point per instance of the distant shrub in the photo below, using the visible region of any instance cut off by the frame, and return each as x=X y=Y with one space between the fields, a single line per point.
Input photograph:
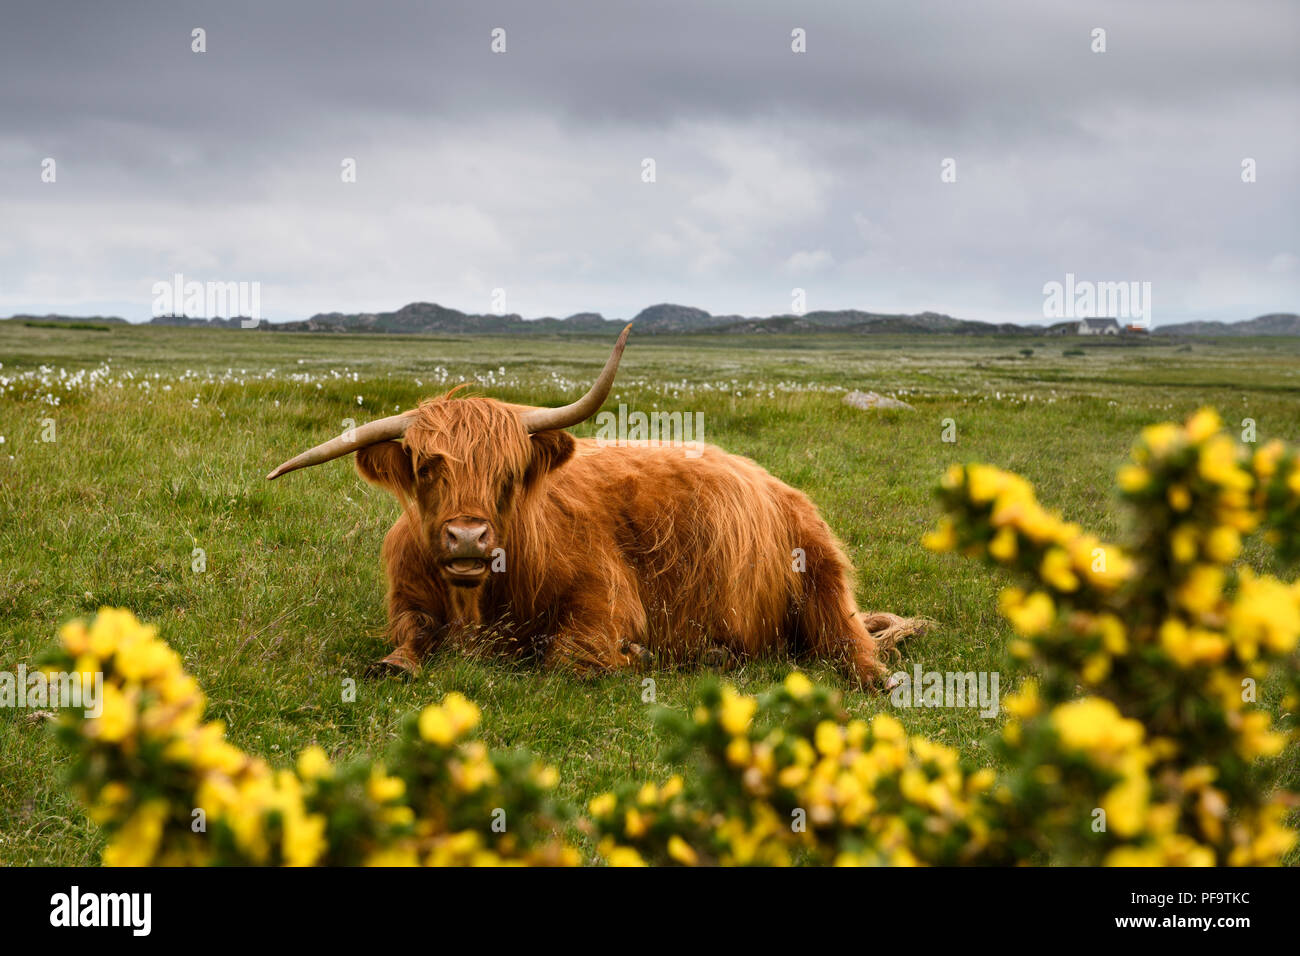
x=1072 y=353
x=82 y=326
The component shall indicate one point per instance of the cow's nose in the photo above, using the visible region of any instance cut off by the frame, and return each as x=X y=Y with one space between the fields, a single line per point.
x=467 y=537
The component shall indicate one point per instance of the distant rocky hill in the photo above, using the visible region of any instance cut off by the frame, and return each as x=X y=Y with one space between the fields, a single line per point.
x=663 y=319
x=670 y=319
x=1278 y=323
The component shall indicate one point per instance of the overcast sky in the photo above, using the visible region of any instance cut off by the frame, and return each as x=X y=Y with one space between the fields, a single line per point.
x=523 y=170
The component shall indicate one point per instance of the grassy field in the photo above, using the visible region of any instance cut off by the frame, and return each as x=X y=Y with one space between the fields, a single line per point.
x=162 y=439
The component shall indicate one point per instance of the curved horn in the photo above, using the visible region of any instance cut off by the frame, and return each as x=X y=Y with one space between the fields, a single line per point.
x=540 y=419
x=371 y=433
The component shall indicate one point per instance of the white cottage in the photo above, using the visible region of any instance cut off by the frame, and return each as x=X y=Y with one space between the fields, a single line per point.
x=1098 y=327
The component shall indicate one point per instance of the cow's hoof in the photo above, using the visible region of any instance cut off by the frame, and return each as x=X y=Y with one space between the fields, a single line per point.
x=641 y=655
x=396 y=664
x=715 y=657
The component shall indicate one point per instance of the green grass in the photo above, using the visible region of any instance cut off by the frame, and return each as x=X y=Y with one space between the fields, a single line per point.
x=291 y=602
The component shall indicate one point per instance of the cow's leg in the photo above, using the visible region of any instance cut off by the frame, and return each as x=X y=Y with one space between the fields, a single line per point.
x=600 y=630
x=417 y=614
x=832 y=627
x=419 y=622
x=833 y=630
x=413 y=632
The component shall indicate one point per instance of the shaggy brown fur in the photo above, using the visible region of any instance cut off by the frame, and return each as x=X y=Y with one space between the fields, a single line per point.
x=611 y=551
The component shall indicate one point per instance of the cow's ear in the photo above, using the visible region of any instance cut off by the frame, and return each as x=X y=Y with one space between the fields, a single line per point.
x=551 y=449
x=387 y=465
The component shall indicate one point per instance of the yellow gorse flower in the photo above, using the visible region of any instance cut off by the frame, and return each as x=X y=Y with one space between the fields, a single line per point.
x=737 y=711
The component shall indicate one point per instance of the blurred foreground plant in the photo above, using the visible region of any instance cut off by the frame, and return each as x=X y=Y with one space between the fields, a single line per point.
x=170 y=790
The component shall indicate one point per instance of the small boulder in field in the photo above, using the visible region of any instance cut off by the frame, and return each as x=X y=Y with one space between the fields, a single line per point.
x=872 y=400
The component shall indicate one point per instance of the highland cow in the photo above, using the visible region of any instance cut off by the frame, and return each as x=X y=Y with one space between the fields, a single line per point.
x=598 y=555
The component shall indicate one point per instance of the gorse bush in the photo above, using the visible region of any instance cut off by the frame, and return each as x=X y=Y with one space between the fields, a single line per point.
x=170 y=790
x=1143 y=737
x=1150 y=663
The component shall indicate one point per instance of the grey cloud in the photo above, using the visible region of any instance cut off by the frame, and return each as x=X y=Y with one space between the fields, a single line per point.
x=522 y=171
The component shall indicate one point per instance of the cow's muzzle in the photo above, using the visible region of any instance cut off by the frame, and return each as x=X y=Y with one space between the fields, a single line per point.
x=467 y=545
